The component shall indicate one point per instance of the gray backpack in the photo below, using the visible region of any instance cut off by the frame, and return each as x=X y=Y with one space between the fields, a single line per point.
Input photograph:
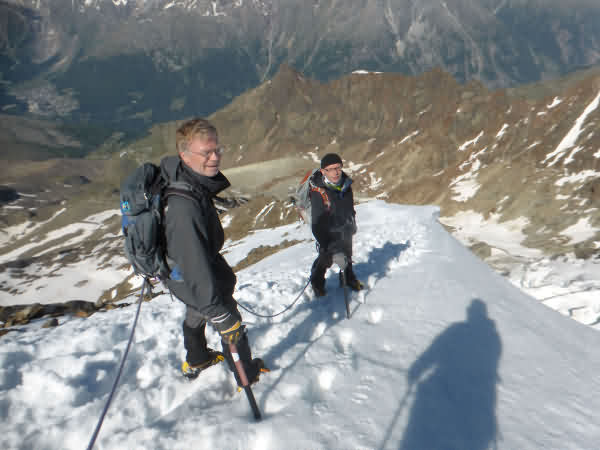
x=143 y=197
x=301 y=197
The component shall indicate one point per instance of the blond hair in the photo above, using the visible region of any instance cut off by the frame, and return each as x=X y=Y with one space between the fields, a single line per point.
x=191 y=129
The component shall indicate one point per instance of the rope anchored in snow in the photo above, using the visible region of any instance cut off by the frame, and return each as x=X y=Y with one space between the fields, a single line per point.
x=120 y=371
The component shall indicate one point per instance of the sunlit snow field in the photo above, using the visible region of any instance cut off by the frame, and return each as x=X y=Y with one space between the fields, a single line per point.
x=439 y=351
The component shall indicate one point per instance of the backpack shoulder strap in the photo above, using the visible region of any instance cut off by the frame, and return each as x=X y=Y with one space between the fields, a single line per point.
x=307 y=177
x=185 y=190
x=324 y=195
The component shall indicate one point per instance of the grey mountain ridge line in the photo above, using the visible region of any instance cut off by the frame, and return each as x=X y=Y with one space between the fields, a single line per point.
x=133 y=64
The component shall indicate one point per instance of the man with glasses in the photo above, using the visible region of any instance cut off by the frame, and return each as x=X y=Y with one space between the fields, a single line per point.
x=333 y=222
x=200 y=276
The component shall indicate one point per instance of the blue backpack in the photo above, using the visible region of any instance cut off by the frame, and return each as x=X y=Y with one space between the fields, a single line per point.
x=143 y=196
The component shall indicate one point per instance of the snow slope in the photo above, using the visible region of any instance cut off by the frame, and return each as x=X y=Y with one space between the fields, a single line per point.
x=440 y=352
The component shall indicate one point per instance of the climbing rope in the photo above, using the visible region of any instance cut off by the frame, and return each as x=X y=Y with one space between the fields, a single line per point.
x=279 y=313
x=120 y=371
x=114 y=387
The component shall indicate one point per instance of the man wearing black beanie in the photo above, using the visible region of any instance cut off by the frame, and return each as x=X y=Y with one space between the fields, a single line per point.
x=331 y=159
x=333 y=221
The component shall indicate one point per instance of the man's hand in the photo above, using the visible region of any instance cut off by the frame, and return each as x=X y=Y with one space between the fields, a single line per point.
x=229 y=327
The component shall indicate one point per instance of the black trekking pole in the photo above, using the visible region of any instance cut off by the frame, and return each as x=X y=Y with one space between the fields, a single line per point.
x=346 y=293
x=340 y=260
x=244 y=379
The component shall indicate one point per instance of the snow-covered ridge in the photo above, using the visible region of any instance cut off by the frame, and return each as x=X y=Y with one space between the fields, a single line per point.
x=439 y=349
x=98 y=273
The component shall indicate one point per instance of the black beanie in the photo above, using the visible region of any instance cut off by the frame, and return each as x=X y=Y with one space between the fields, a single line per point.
x=329 y=159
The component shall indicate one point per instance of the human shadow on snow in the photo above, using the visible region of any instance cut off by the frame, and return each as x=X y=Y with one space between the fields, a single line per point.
x=378 y=262
x=377 y=266
x=454 y=385
x=323 y=313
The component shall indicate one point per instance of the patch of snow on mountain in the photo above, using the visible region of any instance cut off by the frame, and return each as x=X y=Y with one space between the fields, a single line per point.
x=411 y=135
x=464 y=187
x=77 y=231
x=507 y=236
x=571 y=137
x=579 y=177
x=11 y=234
x=580 y=231
x=555 y=102
x=471 y=142
x=502 y=131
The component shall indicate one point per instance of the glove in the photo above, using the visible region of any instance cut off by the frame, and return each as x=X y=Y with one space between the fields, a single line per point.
x=229 y=327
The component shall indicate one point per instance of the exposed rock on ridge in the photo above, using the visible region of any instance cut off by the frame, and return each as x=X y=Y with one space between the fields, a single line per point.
x=429 y=139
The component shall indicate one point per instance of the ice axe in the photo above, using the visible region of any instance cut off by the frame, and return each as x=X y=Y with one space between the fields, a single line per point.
x=341 y=261
x=244 y=379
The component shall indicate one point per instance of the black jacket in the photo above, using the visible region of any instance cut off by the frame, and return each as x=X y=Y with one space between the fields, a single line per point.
x=200 y=276
x=335 y=225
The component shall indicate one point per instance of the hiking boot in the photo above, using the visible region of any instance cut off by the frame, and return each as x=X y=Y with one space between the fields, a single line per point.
x=192 y=371
x=355 y=284
x=352 y=282
x=253 y=374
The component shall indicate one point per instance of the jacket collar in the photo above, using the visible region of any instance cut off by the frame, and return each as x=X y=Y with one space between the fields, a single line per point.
x=176 y=170
x=213 y=185
x=344 y=185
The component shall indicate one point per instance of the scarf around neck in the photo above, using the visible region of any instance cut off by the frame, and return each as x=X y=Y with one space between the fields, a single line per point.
x=337 y=186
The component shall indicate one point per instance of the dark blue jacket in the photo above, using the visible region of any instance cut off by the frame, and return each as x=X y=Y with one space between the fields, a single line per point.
x=333 y=226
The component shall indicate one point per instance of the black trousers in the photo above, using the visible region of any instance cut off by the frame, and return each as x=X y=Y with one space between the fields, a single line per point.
x=194 y=339
x=325 y=260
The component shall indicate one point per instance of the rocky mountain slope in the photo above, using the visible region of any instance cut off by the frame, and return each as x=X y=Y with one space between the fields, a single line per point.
x=135 y=63
x=523 y=159
x=525 y=156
